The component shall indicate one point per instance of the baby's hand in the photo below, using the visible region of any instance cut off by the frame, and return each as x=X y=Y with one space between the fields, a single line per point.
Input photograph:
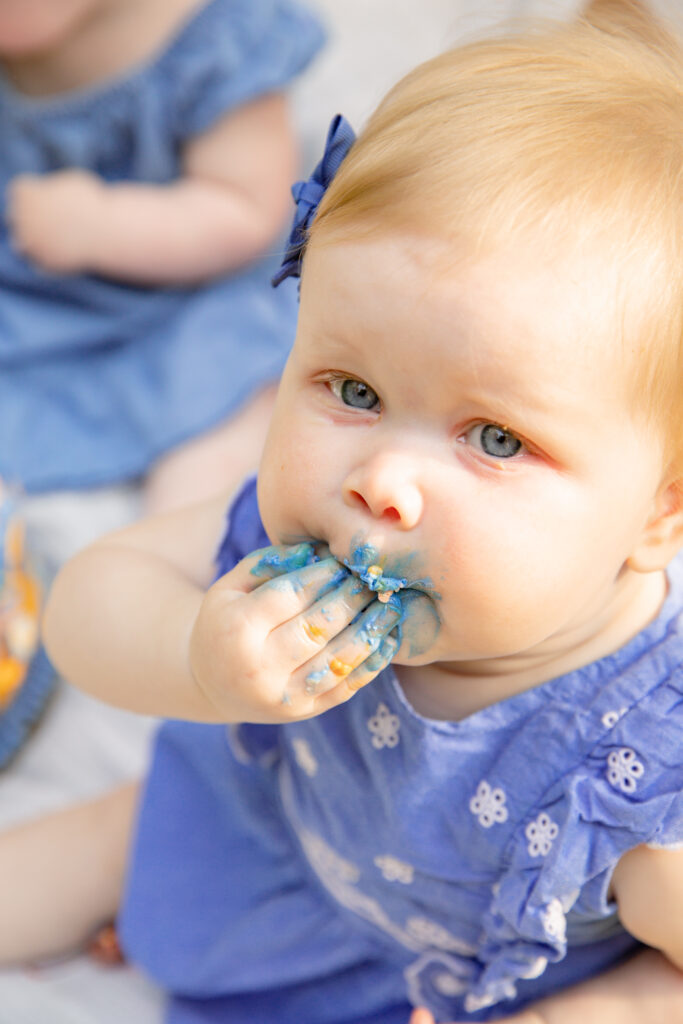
x=53 y=218
x=285 y=649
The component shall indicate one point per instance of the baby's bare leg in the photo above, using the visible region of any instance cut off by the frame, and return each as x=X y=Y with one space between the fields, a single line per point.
x=214 y=461
x=61 y=876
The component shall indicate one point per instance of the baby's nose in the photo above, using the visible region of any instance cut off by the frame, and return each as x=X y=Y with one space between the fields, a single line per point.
x=386 y=487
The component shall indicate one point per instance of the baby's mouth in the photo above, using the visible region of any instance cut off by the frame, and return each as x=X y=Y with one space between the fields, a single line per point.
x=375 y=579
x=365 y=563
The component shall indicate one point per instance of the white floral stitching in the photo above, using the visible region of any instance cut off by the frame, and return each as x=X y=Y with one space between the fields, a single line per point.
x=384 y=726
x=610 y=718
x=554 y=921
x=488 y=805
x=541 y=834
x=304 y=757
x=395 y=870
x=429 y=933
x=623 y=769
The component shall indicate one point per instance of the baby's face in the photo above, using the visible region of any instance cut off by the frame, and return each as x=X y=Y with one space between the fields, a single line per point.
x=29 y=27
x=471 y=424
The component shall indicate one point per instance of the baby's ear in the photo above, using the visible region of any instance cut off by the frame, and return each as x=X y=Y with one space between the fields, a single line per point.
x=662 y=537
x=633 y=18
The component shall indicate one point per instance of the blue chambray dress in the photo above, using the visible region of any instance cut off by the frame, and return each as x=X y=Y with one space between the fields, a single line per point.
x=338 y=870
x=99 y=378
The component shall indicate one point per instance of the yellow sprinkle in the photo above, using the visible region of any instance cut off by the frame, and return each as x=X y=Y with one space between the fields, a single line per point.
x=313 y=632
x=12 y=673
x=374 y=570
x=340 y=668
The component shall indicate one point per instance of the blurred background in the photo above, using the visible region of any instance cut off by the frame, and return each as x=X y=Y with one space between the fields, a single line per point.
x=82 y=748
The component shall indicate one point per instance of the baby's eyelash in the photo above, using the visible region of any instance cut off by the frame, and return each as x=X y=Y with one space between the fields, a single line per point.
x=351 y=391
x=498 y=441
x=329 y=376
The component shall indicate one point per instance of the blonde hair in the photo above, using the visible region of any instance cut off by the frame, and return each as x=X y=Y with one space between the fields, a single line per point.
x=572 y=130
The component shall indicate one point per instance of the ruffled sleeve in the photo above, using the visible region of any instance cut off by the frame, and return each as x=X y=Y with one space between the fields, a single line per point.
x=626 y=791
x=232 y=52
x=244 y=531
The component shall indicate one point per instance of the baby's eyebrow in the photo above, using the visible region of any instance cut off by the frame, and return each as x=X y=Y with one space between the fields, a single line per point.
x=336 y=351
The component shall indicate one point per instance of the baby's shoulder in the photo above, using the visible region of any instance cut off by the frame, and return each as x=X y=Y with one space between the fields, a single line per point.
x=226 y=54
x=183 y=67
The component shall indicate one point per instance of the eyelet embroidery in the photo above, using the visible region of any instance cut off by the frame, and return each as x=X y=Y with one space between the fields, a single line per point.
x=304 y=757
x=331 y=866
x=474 y=1003
x=541 y=834
x=554 y=920
x=384 y=727
x=610 y=718
x=535 y=969
x=448 y=985
x=623 y=769
x=395 y=870
x=429 y=933
x=437 y=973
x=488 y=805
x=239 y=751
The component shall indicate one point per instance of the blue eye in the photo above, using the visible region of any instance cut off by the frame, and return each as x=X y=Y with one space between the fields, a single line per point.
x=354 y=393
x=495 y=441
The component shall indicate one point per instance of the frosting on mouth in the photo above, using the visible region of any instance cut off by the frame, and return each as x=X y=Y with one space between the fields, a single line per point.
x=364 y=564
x=375 y=579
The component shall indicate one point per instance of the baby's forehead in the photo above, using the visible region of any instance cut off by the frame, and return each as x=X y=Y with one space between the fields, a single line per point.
x=428 y=273
x=518 y=303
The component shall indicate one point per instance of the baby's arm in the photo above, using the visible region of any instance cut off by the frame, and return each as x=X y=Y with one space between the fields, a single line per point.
x=130 y=620
x=227 y=207
x=648 y=887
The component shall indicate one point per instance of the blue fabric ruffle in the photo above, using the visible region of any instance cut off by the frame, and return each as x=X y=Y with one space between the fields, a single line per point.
x=307 y=195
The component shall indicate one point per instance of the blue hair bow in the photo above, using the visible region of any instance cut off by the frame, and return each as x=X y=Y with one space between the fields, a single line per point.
x=307 y=196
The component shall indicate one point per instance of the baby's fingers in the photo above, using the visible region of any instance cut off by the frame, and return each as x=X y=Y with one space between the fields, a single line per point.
x=355 y=656
x=421 y=1016
x=267 y=563
x=258 y=568
x=304 y=635
x=361 y=676
x=280 y=600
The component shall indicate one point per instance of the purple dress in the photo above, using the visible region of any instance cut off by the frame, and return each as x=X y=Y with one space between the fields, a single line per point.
x=342 y=869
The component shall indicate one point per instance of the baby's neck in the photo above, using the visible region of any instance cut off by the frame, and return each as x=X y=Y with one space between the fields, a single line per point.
x=454 y=690
x=113 y=38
